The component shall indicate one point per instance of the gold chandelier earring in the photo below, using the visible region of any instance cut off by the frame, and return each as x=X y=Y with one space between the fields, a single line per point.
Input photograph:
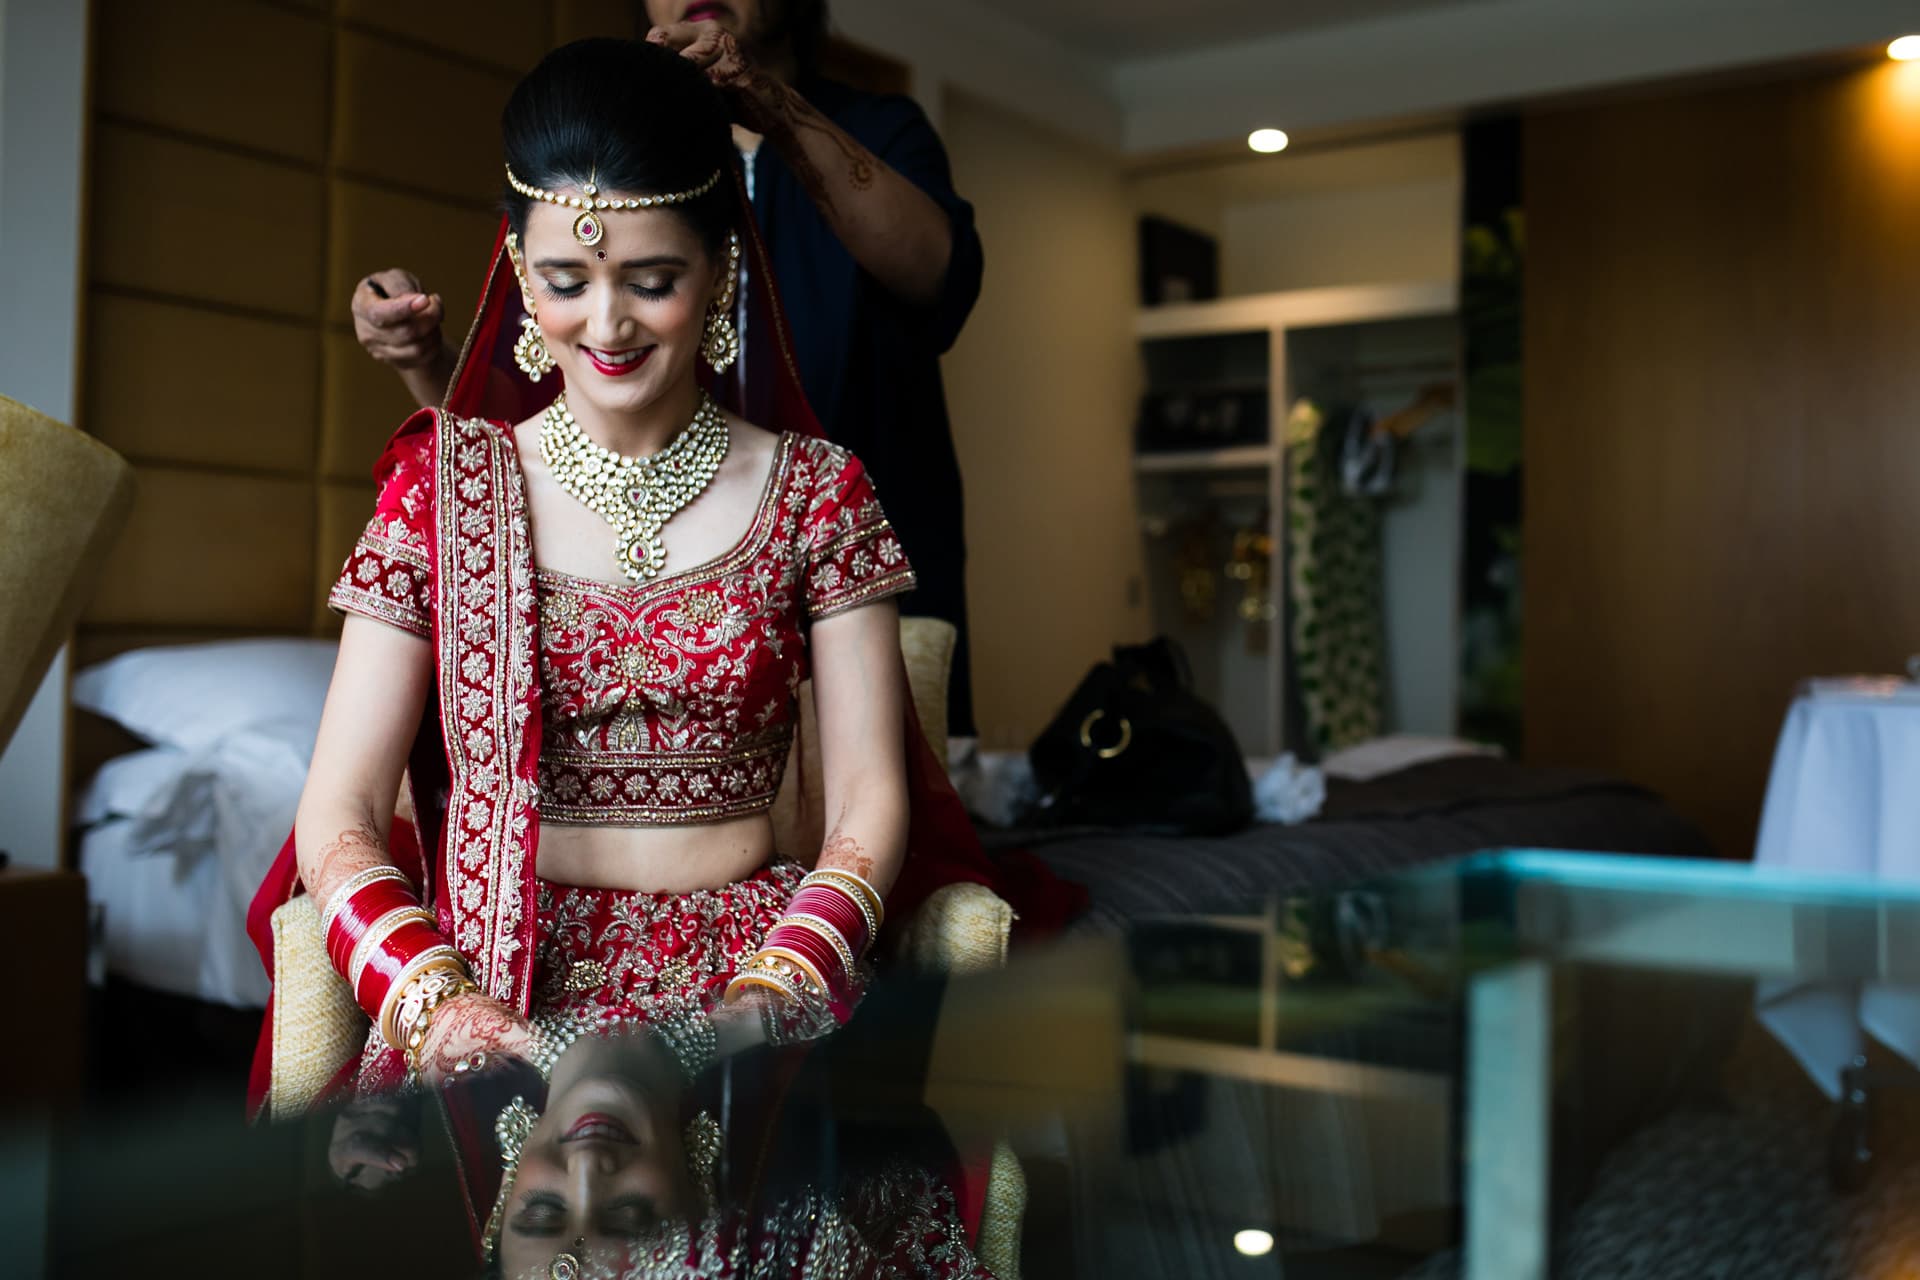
x=704 y=1140
x=721 y=346
x=530 y=350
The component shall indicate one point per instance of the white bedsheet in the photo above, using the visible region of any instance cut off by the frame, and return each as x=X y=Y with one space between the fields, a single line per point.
x=170 y=923
x=177 y=837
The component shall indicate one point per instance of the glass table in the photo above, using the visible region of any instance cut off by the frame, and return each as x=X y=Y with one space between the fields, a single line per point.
x=1508 y=1002
x=1481 y=1068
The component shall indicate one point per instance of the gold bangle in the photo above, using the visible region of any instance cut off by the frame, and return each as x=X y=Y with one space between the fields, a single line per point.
x=789 y=968
x=353 y=884
x=424 y=995
x=742 y=980
x=433 y=957
x=829 y=934
x=378 y=932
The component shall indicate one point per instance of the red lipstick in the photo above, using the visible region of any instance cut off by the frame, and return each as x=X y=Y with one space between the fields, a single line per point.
x=598 y=1126
x=619 y=368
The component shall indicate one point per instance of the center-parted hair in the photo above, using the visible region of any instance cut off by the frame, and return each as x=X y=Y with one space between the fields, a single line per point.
x=633 y=117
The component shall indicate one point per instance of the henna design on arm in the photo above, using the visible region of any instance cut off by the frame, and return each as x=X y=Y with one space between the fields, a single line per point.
x=843 y=851
x=777 y=110
x=352 y=851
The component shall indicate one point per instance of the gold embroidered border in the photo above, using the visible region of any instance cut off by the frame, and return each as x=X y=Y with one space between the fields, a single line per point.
x=895 y=583
x=485 y=650
x=349 y=599
x=765 y=760
x=381 y=544
x=841 y=541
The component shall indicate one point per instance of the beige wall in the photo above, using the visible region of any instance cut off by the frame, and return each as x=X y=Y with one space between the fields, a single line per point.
x=1042 y=389
x=1363 y=214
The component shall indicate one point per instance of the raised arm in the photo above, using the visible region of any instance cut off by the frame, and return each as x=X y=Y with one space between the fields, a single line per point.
x=893 y=229
x=398 y=322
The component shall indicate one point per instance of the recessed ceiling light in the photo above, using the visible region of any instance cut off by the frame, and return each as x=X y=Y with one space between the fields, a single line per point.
x=1267 y=141
x=1905 y=49
x=1253 y=1242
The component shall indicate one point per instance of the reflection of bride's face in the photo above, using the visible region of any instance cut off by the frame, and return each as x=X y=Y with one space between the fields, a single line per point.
x=604 y=1166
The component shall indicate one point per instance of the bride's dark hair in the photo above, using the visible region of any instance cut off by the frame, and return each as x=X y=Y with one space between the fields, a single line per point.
x=635 y=118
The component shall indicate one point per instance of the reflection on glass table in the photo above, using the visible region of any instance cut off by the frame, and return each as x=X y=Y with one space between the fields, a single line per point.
x=1512 y=1065
x=1521 y=1064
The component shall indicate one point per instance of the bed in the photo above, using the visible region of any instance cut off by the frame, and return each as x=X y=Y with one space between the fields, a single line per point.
x=190 y=760
x=1427 y=811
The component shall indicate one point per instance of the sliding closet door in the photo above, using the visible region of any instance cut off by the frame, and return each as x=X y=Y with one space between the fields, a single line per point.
x=1723 y=422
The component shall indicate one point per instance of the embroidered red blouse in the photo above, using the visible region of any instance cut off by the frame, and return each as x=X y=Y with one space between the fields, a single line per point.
x=670 y=701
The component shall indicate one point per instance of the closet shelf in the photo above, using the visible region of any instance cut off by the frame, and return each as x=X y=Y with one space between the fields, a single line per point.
x=1243 y=458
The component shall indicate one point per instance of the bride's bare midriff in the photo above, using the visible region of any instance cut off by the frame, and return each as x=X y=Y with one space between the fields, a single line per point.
x=656 y=859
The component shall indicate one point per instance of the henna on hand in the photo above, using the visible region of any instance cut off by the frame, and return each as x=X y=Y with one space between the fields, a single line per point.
x=347 y=854
x=772 y=107
x=470 y=1024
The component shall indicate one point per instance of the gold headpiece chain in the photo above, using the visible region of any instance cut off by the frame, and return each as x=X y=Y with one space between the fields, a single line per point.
x=586 y=228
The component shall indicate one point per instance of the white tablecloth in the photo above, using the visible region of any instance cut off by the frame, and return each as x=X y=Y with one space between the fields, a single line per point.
x=1844 y=796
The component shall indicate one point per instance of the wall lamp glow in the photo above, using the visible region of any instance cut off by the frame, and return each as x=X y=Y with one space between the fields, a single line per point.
x=1253 y=1242
x=1905 y=49
x=1268 y=141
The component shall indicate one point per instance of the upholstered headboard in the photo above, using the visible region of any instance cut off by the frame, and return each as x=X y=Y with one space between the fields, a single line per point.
x=249 y=162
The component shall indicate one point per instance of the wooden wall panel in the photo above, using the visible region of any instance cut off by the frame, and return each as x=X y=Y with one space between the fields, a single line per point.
x=201 y=223
x=206 y=550
x=362 y=406
x=176 y=383
x=1723 y=316
x=445 y=245
x=271 y=95
x=463 y=162
x=511 y=34
x=233 y=203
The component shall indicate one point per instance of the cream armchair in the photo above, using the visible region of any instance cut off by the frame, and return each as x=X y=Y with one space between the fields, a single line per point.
x=63 y=499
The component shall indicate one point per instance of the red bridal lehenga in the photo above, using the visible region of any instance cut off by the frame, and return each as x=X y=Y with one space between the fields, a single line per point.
x=559 y=699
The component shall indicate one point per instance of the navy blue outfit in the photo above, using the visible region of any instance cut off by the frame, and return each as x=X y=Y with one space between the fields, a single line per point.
x=870 y=362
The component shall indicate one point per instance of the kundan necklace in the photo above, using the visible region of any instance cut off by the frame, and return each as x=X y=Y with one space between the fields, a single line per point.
x=637 y=496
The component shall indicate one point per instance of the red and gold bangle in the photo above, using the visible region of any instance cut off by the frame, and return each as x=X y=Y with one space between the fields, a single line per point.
x=384 y=926
x=784 y=927
x=858 y=891
x=353 y=884
x=369 y=905
x=381 y=975
x=834 y=906
x=836 y=982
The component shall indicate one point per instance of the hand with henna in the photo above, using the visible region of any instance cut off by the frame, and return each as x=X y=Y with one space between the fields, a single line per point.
x=375 y=1142
x=891 y=227
x=476 y=1030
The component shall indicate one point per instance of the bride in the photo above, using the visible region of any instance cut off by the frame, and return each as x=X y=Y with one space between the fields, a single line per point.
x=576 y=624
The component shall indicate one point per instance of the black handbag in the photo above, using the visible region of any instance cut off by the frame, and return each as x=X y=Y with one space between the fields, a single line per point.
x=1136 y=748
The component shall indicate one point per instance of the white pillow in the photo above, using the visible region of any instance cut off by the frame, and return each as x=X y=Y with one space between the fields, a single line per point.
x=126 y=785
x=191 y=696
